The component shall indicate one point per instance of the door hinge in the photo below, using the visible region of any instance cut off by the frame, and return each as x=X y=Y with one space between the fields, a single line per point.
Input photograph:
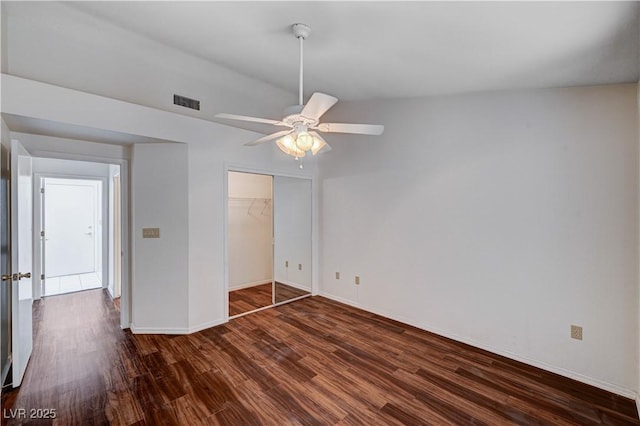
x=42 y=277
x=42 y=233
x=42 y=190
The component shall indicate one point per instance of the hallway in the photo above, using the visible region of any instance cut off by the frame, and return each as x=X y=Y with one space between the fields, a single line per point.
x=75 y=359
x=71 y=283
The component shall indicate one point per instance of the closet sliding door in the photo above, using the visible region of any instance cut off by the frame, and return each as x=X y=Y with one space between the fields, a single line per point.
x=250 y=242
x=292 y=237
x=268 y=240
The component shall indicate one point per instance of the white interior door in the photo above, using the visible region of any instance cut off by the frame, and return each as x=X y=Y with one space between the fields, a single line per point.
x=70 y=227
x=21 y=259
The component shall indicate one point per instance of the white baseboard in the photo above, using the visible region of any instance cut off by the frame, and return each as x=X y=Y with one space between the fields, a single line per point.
x=247 y=285
x=206 y=325
x=158 y=330
x=610 y=387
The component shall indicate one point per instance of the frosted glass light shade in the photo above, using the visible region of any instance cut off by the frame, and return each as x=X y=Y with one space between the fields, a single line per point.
x=288 y=145
x=304 y=141
x=318 y=144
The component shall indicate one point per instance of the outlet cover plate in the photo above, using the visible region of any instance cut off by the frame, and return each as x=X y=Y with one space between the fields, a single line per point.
x=576 y=332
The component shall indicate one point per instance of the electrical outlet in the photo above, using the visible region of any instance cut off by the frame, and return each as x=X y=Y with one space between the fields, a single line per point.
x=357 y=280
x=576 y=332
x=337 y=275
x=299 y=266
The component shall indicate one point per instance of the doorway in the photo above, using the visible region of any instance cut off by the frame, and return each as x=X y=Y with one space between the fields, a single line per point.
x=73 y=235
x=269 y=230
x=72 y=211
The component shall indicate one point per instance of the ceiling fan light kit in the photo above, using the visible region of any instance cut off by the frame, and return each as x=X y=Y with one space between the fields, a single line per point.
x=303 y=121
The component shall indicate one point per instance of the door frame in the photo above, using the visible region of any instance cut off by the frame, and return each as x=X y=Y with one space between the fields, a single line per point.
x=5 y=230
x=125 y=279
x=21 y=307
x=234 y=167
x=38 y=221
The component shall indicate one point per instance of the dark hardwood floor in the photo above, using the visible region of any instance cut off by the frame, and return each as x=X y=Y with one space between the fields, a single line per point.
x=286 y=292
x=310 y=362
x=259 y=296
x=248 y=299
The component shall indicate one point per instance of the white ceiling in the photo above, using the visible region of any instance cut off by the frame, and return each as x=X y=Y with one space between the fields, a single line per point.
x=370 y=50
x=143 y=51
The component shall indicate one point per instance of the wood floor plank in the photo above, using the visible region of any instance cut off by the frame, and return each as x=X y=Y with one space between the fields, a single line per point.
x=311 y=362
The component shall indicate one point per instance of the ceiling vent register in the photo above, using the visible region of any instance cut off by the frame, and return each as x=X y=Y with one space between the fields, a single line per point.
x=186 y=102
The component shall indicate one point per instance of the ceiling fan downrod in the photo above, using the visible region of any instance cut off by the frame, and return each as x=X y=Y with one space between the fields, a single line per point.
x=301 y=31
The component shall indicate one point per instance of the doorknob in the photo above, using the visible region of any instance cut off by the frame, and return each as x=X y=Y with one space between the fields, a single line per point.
x=14 y=277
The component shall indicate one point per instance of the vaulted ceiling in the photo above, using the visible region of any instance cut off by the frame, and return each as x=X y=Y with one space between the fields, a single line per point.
x=241 y=56
x=365 y=50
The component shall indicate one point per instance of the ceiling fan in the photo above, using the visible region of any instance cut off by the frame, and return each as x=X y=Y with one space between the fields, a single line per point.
x=302 y=122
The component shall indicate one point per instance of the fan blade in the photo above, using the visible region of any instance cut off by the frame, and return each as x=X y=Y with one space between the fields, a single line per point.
x=270 y=137
x=360 y=129
x=319 y=146
x=252 y=119
x=318 y=105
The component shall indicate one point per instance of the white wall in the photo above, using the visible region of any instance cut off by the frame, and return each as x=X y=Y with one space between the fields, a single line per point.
x=208 y=162
x=160 y=270
x=212 y=148
x=79 y=151
x=292 y=231
x=44 y=45
x=497 y=219
x=250 y=230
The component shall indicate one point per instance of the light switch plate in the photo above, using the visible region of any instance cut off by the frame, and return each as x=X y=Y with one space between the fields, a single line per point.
x=357 y=280
x=150 y=232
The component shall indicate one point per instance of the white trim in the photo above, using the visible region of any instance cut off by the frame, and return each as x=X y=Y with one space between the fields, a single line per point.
x=611 y=387
x=5 y=371
x=284 y=302
x=236 y=167
x=248 y=285
x=38 y=210
x=158 y=330
x=206 y=325
x=126 y=207
x=251 y=312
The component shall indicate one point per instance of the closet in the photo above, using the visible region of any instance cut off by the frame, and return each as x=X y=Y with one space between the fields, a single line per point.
x=269 y=228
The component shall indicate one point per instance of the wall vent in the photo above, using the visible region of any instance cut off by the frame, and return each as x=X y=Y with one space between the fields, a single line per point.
x=186 y=102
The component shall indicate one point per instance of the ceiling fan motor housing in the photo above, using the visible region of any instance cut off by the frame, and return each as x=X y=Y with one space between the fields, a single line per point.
x=301 y=30
x=293 y=118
